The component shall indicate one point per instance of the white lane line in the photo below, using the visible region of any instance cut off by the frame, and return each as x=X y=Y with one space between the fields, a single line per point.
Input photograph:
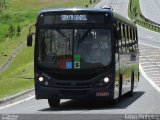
x=152 y=55
x=146 y=62
x=149 y=45
x=148 y=37
x=158 y=69
x=143 y=50
x=154 y=75
x=18 y=102
x=146 y=66
x=153 y=72
x=153 y=68
x=143 y=58
x=149 y=80
x=155 y=79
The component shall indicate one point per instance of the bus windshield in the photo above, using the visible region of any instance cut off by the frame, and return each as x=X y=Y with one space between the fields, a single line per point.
x=74 y=48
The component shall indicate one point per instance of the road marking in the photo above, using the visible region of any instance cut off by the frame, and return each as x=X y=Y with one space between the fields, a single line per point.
x=146 y=66
x=157 y=75
x=151 y=71
x=155 y=68
x=148 y=37
x=153 y=55
x=149 y=45
x=148 y=62
x=155 y=78
x=18 y=102
x=142 y=58
x=149 y=80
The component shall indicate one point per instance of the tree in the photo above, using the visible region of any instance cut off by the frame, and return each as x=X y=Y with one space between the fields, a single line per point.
x=18 y=30
x=2 y=5
x=5 y=4
x=11 y=30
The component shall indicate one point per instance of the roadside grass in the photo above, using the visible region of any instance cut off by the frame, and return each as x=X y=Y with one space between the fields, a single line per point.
x=19 y=75
x=35 y=5
x=9 y=45
x=135 y=8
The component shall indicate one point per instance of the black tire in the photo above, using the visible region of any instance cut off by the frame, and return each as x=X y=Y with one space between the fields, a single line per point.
x=54 y=103
x=113 y=102
x=132 y=85
x=120 y=85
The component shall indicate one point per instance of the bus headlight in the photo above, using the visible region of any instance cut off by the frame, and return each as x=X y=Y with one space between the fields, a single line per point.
x=41 y=79
x=106 y=80
x=103 y=82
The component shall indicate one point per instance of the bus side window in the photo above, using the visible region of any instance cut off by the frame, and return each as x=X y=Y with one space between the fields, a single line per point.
x=125 y=46
x=118 y=42
x=123 y=31
x=131 y=33
x=128 y=33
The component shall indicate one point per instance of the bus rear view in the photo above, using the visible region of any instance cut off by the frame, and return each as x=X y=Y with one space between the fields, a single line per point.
x=74 y=55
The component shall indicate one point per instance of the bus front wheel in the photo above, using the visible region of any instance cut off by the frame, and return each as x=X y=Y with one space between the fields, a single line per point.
x=54 y=103
x=130 y=94
x=113 y=102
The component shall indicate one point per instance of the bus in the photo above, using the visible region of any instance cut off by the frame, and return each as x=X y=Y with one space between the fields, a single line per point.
x=84 y=53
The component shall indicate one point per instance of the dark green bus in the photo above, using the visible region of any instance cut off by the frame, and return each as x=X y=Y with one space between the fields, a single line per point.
x=84 y=54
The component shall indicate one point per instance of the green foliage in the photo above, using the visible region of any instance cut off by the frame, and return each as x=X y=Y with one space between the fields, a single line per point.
x=2 y=4
x=11 y=31
x=18 y=30
x=10 y=21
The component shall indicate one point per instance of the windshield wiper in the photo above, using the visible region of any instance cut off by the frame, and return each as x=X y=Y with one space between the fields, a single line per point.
x=65 y=37
x=85 y=35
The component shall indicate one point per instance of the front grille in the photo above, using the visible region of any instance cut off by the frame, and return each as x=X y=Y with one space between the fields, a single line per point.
x=74 y=77
x=73 y=84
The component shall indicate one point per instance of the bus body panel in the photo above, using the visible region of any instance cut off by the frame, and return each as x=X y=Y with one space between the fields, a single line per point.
x=122 y=62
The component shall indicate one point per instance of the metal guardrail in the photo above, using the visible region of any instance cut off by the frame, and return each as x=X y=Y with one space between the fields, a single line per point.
x=147 y=22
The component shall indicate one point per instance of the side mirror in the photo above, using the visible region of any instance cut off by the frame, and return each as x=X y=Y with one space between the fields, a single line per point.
x=118 y=34
x=29 y=40
x=29 y=36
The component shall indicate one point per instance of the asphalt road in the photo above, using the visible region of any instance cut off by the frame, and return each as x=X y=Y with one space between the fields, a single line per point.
x=144 y=101
x=150 y=9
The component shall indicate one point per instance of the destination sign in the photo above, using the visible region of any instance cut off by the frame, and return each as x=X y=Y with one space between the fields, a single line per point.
x=72 y=18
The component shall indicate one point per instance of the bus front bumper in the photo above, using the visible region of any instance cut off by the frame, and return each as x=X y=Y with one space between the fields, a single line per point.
x=43 y=92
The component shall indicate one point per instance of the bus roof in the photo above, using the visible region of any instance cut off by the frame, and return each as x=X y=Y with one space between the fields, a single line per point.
x=108 y=10
x=76 y=9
